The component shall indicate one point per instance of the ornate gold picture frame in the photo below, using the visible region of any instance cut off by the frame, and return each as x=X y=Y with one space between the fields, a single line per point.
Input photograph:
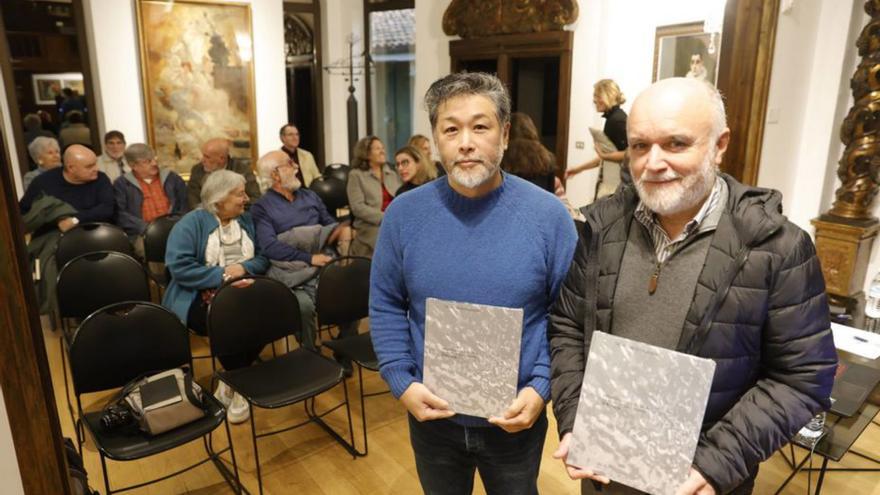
x=198 y=78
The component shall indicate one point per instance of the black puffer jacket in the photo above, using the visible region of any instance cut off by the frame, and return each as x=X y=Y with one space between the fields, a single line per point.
x=759 y=311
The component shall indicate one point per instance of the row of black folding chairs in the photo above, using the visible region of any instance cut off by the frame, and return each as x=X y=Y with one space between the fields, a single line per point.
x=342 y=297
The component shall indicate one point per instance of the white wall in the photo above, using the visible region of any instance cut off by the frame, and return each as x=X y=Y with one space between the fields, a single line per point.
x=341 y=18
x=9 y=471
x=113 y=45
x=9 y=141
x=432 y=58
x=611 y=42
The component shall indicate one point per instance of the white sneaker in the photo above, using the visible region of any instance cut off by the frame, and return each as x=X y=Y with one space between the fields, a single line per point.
x=223 y=394
x=238 y=411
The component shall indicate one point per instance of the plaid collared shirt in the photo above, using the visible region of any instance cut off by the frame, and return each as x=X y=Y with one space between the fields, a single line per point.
x=705 y=220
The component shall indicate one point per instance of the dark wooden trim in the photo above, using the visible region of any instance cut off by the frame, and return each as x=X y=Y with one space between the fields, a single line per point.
x=12 y=101
x=748 y=40
x=503 y=47
x=85 y=59
x=317 y=74
x=318 y=87
x=24 y=371
x=368 y=75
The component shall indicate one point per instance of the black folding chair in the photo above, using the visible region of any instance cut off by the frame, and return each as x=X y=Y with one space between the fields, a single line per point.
x=89 y=282
x=332 y=192
x=91 y=237
x=248 y=319
x=338 y=171
x=155 y=239
x=119 y=343
x=343 y=296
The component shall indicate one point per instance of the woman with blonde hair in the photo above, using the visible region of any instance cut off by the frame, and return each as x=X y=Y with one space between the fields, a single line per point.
x=372 y=184
x=423 y=144
x=414 y=168
x=607 y=99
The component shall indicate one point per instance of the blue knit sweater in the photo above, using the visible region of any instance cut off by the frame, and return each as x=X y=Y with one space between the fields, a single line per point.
x=510 y=248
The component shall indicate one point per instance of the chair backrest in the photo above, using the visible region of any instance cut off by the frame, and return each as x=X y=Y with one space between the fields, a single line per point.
x=91 y=237
x=337 y=171
x=343 y=293
x=122 y=341
x=156 y=237
x=251 y=317
x=94 y=280
x=331 y=191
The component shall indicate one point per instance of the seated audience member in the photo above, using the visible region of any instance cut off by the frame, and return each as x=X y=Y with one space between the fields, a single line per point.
x=112 y=161
x=46 y=153
x=526 y=157
x=372 y=184
x=414 y=168
x=207 y=247
x=56 y=201
x=307 y=171
x=423 y=144
x=33 y=128
x=146 y=193
x=293 y=231
x=215 y=156
x=76 y=131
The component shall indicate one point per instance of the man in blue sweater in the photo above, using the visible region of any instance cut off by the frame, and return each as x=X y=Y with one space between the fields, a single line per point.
x=477 y=236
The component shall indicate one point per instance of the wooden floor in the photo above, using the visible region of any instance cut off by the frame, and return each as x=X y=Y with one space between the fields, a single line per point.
x=306 y=461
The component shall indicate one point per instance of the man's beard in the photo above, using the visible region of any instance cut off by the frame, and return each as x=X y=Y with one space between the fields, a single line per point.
x=477 y=175
x=291 y=184
x=681 y=195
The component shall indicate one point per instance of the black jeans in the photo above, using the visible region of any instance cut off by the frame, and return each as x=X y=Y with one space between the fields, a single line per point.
x=447 y=454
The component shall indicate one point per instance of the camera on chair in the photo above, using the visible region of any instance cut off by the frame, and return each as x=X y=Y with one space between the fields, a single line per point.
x=117 y=416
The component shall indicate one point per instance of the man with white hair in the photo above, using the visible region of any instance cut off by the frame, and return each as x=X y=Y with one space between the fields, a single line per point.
x=295 y=231
x=689 y=259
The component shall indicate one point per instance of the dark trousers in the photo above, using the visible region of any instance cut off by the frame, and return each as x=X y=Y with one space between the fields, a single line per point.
x=447 y=454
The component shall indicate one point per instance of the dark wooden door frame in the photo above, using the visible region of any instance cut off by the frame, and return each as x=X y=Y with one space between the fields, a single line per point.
x=318 y=71
x=24 y=371
x=533 y=45
x=748 y=40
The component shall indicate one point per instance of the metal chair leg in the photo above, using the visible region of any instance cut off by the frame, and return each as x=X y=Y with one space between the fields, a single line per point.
x=106 y=475
x=256 y=452
x=355 y=453
x=363 y=407
x=232 y=454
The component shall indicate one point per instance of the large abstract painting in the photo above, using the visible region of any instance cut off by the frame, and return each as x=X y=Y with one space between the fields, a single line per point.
x=197 y=69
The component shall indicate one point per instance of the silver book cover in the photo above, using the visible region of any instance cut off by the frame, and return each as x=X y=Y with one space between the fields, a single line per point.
x=472 y=355
x=640 y=412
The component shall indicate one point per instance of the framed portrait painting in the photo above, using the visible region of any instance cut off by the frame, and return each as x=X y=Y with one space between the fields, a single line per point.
x=198 y=78
x=686 y=50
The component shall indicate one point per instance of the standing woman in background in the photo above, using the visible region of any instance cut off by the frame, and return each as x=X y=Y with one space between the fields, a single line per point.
x=372 y=184
x=607 y=98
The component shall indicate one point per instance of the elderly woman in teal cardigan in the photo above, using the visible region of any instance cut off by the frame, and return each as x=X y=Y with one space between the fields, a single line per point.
x=207 y=247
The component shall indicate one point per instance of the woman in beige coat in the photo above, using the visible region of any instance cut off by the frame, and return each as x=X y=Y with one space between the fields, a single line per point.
x=372 y=184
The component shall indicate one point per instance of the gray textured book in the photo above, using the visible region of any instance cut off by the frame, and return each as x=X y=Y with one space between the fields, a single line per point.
x=472 y=355
x=640 y=411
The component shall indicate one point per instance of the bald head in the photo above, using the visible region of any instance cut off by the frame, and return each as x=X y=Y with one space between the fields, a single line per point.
x=682 y=98
x=80 y=164
x=215 y=154
x=677 y=138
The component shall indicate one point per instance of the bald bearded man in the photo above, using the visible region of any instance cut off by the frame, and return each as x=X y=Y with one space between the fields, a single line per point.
x=215 y=156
